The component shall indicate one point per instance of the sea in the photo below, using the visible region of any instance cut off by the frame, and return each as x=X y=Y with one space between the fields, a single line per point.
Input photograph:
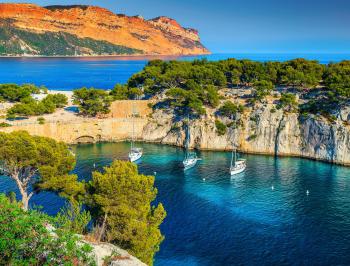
x=69 y=73
x=263 y=216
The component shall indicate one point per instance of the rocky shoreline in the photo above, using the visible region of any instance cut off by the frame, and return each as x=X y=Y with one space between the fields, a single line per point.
x=263 y=132
x=276 y=133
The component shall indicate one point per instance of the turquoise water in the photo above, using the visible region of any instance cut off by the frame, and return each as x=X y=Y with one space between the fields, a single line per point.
x=105 y=72
x=214 y=219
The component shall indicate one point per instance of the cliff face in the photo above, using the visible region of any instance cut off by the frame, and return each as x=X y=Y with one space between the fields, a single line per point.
x=161 y=35
x=263 y=132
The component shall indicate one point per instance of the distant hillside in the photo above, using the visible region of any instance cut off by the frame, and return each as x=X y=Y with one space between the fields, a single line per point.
x=28 y=29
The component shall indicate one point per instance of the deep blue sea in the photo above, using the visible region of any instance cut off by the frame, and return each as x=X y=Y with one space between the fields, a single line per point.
x=105 y=72
x=214 y=219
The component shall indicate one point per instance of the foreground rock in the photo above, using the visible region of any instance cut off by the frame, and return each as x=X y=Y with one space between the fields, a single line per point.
x=108 y=254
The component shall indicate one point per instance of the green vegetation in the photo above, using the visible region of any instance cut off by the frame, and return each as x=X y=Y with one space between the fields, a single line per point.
x=221 y=128
x=73 y=218
x=288 y=102
x=122 y=200
x=4 y=124
x=36 y=163
x=122 y=92
x=92 y=102
x=261 y=89
x=16 y=93
x=60 y=100
x=41 y=120
x=301 y=73
x=55 y=43
x=337 y=79
x=186 y=101
x=24 y=239
x=230 y=109
x=191 y=87
x=29 y=106
x=297 y=73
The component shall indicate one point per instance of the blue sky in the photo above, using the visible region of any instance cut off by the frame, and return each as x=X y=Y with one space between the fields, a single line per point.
x=249 y=26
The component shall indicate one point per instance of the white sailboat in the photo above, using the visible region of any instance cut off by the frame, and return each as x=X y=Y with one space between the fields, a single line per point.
x=135 y=153
x=237 y=165
x=191 y=158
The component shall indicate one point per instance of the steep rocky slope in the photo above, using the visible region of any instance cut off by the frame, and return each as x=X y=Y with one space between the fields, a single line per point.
x=28 y=29
x=262 y=132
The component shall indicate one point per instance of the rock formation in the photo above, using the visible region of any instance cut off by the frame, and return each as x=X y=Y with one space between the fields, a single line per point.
x=261 y=132
x=90 y=30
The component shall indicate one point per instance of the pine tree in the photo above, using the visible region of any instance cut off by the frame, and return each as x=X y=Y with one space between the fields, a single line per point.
x=124 y=200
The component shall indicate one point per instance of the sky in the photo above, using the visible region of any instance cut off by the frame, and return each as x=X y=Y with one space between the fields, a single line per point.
x=248 y=26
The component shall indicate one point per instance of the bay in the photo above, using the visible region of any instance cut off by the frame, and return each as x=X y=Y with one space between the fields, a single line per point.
x=214 y=219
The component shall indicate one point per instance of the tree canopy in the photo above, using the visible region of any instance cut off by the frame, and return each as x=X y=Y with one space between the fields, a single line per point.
x=261 y=89
x=230 y=109
x=125 y=198
x=29 y=106
x=92 y=102
x=337 y=78
x=36 y=163
x=15 y=93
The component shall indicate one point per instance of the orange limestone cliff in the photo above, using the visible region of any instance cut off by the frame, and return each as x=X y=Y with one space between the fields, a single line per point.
x=91 y=30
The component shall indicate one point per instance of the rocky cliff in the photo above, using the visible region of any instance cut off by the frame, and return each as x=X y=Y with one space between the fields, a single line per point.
x=261 y=131
x=28 y=29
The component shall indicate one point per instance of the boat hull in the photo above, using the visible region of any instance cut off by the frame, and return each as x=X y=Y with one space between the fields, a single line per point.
x=235 y=171
x=189 y=163
x=135 y=157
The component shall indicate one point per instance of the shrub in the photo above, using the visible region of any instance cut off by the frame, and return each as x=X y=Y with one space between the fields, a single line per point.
x=252 y=137
x=92 y=102
x=230 y=109
x=288 y=102
x=73 y=218
x=261 y=89
x=120 y=92
x=29 y=107
x=60 y=100
x=4 y=124
x=221 y=128
x=15 y=93
x=41 y=120
x=25 y=240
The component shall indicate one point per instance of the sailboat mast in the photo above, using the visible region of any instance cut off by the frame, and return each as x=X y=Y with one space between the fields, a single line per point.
x=133 y=125
x=232 y=158
x=187 y=144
